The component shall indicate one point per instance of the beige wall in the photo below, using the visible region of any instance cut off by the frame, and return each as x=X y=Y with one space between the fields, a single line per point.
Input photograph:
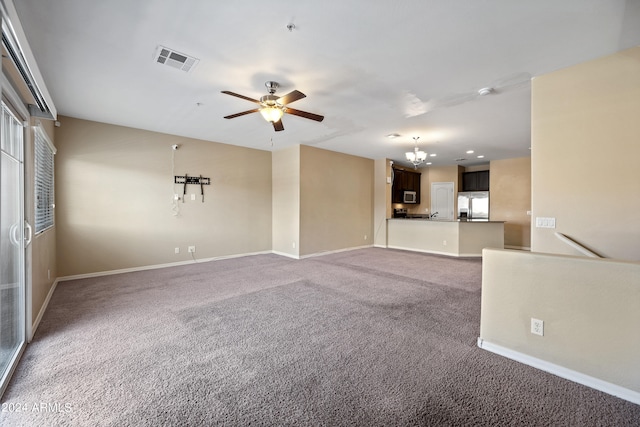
x=336 y=201
x=429 y=175
x=382 y=201
x=510 y=199
x=114 y=191
x=43 y=246
x=585 y=151
x=590 y=308
x=455 y=238
x=286 y=201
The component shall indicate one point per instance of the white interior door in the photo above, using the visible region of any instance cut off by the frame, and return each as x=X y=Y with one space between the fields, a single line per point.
x=442 y=200
x=12 y=245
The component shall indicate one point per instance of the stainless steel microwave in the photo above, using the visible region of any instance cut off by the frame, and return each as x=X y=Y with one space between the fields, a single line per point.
x=410 y=197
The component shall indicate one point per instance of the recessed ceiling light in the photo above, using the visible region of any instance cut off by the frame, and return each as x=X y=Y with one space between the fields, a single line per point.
x=469 y=151
x=428 y=163
x=433 y=155
x=481 y=157
x=393 y=135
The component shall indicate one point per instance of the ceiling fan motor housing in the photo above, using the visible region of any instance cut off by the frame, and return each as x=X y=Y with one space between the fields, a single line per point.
x=270 y=101
x=272 y=86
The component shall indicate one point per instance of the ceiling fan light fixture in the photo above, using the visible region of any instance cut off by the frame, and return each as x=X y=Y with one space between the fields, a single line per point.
x=271 y=114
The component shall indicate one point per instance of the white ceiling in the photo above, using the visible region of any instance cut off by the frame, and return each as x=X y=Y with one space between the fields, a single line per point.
x=372 y=68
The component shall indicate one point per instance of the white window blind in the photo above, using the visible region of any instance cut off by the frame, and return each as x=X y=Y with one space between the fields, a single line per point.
x=44 y=184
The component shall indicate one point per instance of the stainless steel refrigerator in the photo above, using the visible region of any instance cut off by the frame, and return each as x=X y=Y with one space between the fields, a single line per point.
x=473 y=205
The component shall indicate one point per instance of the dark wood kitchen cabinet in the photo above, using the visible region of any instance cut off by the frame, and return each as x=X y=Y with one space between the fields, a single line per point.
x=404 y=180
x=475 y=181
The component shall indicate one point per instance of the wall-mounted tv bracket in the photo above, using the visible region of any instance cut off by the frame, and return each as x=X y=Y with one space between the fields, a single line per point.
x=197 y=180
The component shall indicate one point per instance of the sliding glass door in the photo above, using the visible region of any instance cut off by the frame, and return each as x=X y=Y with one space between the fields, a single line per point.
x=12 y=245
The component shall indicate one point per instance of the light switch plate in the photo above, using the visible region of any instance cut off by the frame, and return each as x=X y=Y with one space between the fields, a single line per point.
x=542 y=222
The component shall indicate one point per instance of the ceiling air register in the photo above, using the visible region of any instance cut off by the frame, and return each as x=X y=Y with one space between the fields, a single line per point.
x=174 y=59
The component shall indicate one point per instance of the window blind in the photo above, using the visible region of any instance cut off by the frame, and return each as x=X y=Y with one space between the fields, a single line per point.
x=44 y=181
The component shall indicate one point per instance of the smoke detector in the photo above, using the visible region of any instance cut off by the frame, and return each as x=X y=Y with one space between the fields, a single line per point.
x=485 y=91
x=175 y=59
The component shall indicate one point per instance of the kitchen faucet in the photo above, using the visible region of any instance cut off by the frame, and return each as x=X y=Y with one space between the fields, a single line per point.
x=433 y=215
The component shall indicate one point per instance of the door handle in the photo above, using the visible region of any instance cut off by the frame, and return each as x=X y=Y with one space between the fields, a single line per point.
x=14 y=237
x=27 y=240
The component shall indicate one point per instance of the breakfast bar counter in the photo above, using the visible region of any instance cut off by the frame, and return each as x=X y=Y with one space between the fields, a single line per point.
x=452 y=237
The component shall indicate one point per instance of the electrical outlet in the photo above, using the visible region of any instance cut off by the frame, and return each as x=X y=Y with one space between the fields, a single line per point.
x=537 y=327
x=365 y=237
x=444 y=243
x=193 y=197
x=191 y=249
x=177 y=250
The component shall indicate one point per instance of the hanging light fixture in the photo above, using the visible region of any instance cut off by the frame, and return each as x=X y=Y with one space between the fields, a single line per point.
x=271 y=113
x=416 y=156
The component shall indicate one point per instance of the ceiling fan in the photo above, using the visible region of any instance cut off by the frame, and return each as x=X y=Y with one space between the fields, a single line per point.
x=272 y=107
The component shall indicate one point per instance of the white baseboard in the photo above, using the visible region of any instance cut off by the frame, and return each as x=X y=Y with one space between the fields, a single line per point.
x=321 y=253
x=156 y=266
x=284 y=254
x=174 y=264
x=424 y=251
x=36 y=322
x=335 y=251
x=518 y=248
x=566 y=373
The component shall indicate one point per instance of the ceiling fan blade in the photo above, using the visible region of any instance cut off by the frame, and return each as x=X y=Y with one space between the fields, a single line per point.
x=278 y=126
x=316 y=117
x=232 y=116
x=241 y=96
x=291 y=97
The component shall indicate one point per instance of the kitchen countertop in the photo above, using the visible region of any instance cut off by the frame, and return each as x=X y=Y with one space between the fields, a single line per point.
x=444 y=220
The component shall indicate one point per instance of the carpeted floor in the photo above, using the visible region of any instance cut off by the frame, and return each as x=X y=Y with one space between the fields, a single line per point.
x=370 y=337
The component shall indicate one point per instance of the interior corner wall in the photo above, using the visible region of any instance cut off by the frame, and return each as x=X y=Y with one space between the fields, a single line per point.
x=336 y=201
x=585 y=151
x=382 y=201
x=510 y=190
x=114 y=198
x=286 y=201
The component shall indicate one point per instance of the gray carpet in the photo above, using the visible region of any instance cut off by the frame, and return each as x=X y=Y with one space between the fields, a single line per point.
x=370 y=337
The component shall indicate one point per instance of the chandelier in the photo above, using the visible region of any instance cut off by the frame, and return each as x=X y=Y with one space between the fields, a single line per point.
x=416 y=156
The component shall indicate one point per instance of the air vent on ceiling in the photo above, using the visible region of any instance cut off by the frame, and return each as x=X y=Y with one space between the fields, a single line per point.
x=174 y=59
